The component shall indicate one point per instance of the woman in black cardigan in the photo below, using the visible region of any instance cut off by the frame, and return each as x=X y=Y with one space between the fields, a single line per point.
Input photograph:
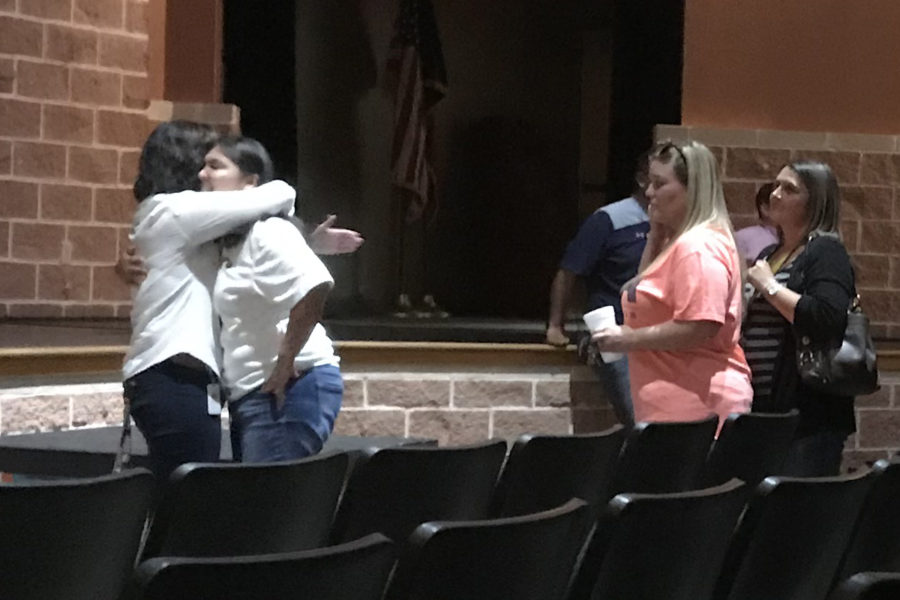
x=803 y=287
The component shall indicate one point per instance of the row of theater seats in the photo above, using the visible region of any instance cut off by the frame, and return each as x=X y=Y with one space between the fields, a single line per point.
x=658 y=516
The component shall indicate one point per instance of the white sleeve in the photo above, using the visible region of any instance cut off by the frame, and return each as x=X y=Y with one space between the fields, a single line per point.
x=284 y=266
x=204 y=216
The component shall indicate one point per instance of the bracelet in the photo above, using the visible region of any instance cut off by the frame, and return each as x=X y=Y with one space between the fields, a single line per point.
x=773 y=288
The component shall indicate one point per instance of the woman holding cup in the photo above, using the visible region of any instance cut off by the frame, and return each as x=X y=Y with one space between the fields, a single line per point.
x=683 y=309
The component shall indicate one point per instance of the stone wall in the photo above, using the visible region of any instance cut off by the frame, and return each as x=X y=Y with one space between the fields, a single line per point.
x=73 y=95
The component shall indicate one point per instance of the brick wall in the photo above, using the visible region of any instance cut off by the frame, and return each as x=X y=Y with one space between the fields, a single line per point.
x=73 y=96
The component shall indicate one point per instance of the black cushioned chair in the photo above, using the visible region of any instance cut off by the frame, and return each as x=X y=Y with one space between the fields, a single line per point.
x=875 y=545
x=73 y=539
x=528 y=557
x=392 y=490
x=751 y=446
x=544 y=471
x=868 y=586
x=792 y=537
x=663 y=457
x=358 y=570
x=237 y=509
x=662 y=545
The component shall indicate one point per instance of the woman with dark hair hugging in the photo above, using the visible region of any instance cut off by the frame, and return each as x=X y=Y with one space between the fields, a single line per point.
x=803 y=287
x=171 y=370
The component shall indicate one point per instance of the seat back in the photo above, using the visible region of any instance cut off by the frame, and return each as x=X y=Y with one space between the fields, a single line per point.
x=392 y=490
x=875 y=545
x=544 y=471
x=527 y=557
x=751 y=446
x=667 y=545
x=868 y=586
x=238 y=509
x=357 y=570
x=663 y=457
x=792 y=537
x=74 y=539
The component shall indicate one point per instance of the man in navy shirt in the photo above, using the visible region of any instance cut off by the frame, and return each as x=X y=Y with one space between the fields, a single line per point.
x=604 y=254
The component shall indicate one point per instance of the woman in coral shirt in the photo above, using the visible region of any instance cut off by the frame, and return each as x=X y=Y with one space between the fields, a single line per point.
x=683 y=309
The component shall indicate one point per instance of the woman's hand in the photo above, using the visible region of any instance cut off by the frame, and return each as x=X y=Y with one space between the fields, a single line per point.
x=130 y=267
x=612 y=339
x=760 y=275
x=326 y=239
x=277 y=382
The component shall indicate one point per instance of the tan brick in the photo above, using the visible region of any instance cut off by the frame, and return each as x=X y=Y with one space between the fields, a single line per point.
x=64 y=282
x=593 y=419
x=100 y=13
x=872 y=271
x=18 y=281
x=7 y=75
x=97 y=409
x=20 y=199
x=41 y=80
x=878 y=428
x=879 y=169
x=41 y=413
x=365 y=422
x=845 y=165
x=740 y=197
x=879 y=237
x=754 y=163
x=408 y=393
x=850 y=235
x=513 y=423
x=93 y=165
x=68 y=124
x=89 y=311
x=47 y=161
x=66 y=202
x=114 y=205
x=121 y=128
x=4 y=240
x=124 y=240
x=32 y=310
x=93 y=244
x=96 y=87
x=123 y=311
x=128 y=166
x=108 y=286
x=354 y=393
x=135 y=16
x=552 y=393
x=5 y=157
x=867 y=202
x=894 y=277
x=880 y=306
x=860 y=460
x=486 y=393
x=18 y=36
x=450 y=427
x=881 y=398
x=47 y=9
x=127 y=53
x=37 y=241
x=20 y=119
x=71 y=45
x=135 y=92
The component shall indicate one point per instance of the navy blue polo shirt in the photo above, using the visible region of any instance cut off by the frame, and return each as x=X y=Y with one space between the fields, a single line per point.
x=607 y=250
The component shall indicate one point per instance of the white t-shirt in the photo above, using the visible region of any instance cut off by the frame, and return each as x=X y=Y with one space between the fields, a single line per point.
x=172 y=311
x=260 y=281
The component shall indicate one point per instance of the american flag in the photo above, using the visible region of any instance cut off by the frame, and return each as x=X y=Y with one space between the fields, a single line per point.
x=419 y=80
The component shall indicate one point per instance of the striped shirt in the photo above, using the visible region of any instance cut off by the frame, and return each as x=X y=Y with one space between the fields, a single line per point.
x=763 y=337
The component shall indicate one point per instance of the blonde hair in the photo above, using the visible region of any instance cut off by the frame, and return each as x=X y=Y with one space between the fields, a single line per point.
x=697 y=170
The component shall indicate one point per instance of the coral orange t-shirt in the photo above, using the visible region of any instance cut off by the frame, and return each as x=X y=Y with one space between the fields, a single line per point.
x=697 y=279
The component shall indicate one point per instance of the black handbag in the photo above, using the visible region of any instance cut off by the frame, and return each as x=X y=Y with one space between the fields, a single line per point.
x=848 y=370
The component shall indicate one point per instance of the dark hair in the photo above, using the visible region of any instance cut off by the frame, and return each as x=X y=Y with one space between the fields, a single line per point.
x=249 y=155
x=172 y=157
x=823 y=209
x=763 y=195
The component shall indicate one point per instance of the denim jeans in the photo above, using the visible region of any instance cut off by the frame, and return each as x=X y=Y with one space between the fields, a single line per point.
x=262 y=433
x=816 y=455
x=169 y=406
x=614 y=377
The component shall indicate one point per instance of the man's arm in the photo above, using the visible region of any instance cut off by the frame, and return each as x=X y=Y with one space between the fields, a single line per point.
x=560 y=293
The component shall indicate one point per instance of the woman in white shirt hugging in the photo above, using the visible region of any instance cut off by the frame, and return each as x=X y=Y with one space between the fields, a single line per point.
x=279 y=367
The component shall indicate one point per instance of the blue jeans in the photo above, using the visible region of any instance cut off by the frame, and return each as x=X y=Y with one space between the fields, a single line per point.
x=169 y=406
x=816 y=455
x=262 y=433
x=614 y=377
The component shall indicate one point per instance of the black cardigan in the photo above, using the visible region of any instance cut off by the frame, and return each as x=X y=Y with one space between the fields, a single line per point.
x=823 y=276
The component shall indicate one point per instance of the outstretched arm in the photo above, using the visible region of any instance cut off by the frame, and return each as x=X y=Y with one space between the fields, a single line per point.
x=326 y=239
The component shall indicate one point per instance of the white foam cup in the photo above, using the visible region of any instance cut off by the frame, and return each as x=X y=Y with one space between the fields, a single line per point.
x=601 y=318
